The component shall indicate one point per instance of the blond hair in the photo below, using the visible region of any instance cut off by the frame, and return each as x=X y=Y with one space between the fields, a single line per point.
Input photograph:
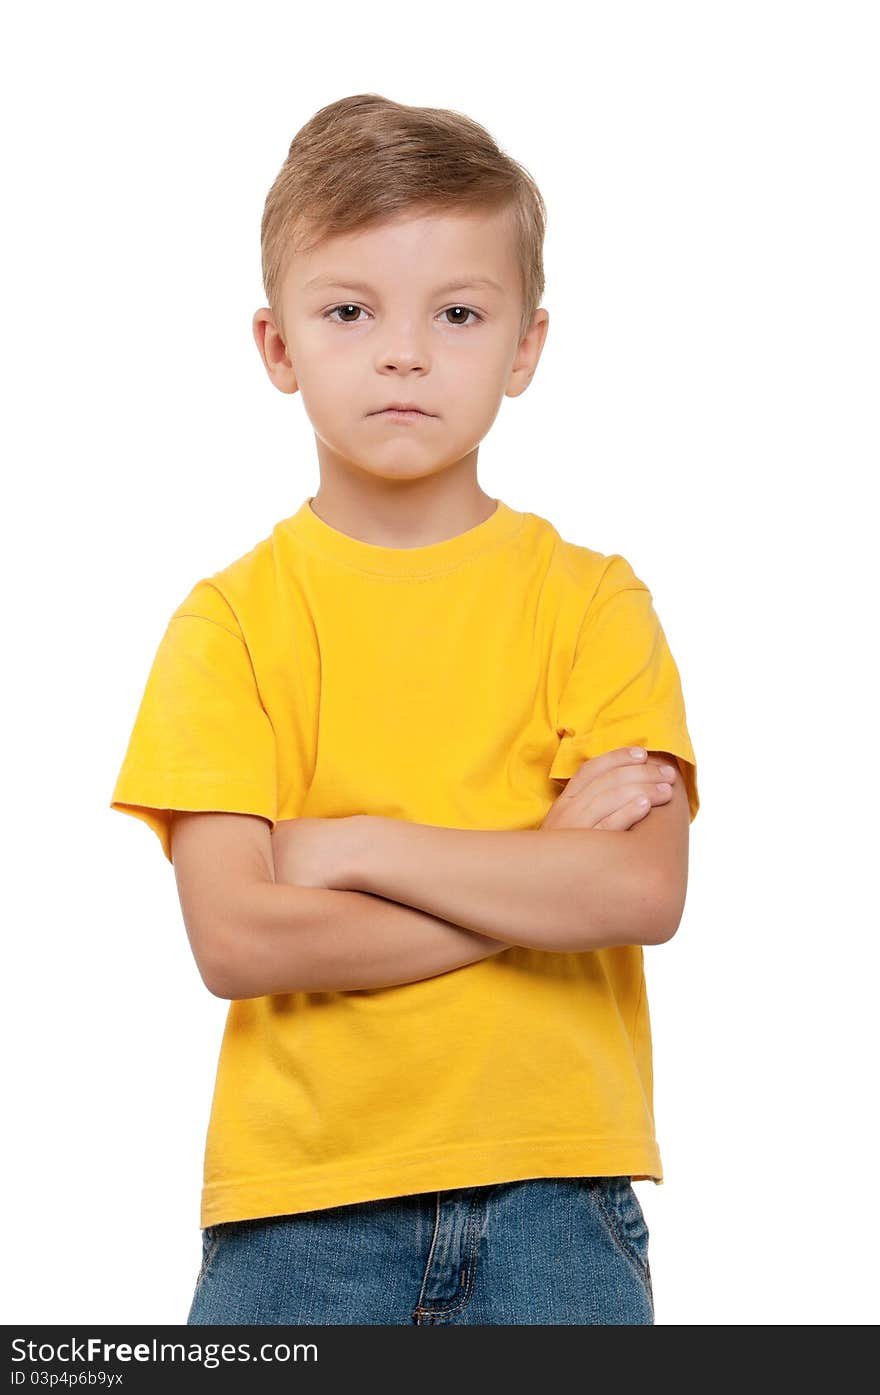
x=365 y=158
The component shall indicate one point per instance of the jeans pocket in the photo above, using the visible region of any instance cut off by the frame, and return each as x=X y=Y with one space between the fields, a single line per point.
x=621 y=1210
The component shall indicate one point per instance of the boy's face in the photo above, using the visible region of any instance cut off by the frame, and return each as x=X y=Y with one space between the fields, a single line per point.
x=393 y=314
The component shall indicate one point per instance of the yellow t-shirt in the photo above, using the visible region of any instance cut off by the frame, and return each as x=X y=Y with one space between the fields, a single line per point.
x=451 y=684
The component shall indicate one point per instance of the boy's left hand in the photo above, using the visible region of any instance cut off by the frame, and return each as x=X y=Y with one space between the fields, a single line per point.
x=311 y=851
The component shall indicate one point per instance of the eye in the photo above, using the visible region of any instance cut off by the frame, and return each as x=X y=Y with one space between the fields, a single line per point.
x=329 y=313
x=453 y=309
x=463 y=323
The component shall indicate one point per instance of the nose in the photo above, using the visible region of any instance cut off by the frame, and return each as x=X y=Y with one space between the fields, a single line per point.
x=401 y=362
x=403 y=350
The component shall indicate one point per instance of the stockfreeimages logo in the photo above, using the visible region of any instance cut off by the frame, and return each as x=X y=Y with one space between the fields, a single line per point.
x=94 y=1351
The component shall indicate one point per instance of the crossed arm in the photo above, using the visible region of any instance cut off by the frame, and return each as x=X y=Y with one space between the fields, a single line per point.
x=558 y=889
x=569 y=885
x=368 y=902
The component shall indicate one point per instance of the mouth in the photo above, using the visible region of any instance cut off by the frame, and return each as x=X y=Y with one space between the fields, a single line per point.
x=402 y=413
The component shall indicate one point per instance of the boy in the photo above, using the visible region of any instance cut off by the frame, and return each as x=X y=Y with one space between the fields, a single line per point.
x=435 y=1083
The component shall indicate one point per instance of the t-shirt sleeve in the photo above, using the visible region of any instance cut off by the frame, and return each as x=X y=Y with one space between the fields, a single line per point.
x=202 y=739
x=624 y=688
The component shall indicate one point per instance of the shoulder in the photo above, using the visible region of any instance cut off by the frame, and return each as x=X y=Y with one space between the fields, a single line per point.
x=246 y=589
x=600 y=574
x=595 y=574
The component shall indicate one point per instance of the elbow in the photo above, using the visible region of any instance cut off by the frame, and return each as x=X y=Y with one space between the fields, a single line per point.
x=213 y=961
x=220 y=988
x=667 y=909
x=660 y=934
x=251 y=952
x=220 y=963
x=649 y=916
x=234 y=960
x=647 y=912
x=219 y=978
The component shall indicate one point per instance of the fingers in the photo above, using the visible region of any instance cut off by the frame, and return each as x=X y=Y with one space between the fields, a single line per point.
x=606 y=803
x=603 y=791
x=621 y=755
x=606 y=790
x=624 y=818
x=628 y=764
x=633 y=757
x=612 y=807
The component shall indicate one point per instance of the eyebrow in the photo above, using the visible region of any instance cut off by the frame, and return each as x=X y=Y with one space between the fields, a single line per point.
x=465 y=284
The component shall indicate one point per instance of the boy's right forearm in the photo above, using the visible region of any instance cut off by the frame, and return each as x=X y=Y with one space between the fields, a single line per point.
x=287 y=939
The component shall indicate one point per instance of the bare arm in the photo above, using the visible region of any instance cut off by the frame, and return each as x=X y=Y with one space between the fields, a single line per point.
x=556 y=889
x=572 y=884
x=253 y=933
x=285 y=939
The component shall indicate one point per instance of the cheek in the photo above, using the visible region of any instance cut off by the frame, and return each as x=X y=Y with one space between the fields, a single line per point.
x=332 y=382
x=477 y=385
x=480 y=363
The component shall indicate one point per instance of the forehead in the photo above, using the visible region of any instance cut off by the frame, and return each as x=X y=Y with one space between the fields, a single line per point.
x=440 y=249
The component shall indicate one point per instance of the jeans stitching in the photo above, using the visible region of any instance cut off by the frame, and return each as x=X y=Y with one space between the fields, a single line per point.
x=211 y=1239
x=418 y=1308
x=460 y=1302
x=620 y=1240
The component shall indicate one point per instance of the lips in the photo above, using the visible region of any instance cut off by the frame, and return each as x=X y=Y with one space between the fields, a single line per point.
x=402 y=407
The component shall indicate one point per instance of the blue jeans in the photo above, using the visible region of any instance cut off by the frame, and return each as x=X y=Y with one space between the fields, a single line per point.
x=544 y=1250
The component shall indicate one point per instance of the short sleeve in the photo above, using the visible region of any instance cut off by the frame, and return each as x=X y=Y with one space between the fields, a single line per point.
x=624 y=688
x=202 y=739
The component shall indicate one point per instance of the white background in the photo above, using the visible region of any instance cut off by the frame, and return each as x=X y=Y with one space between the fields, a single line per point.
x=706 y=405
